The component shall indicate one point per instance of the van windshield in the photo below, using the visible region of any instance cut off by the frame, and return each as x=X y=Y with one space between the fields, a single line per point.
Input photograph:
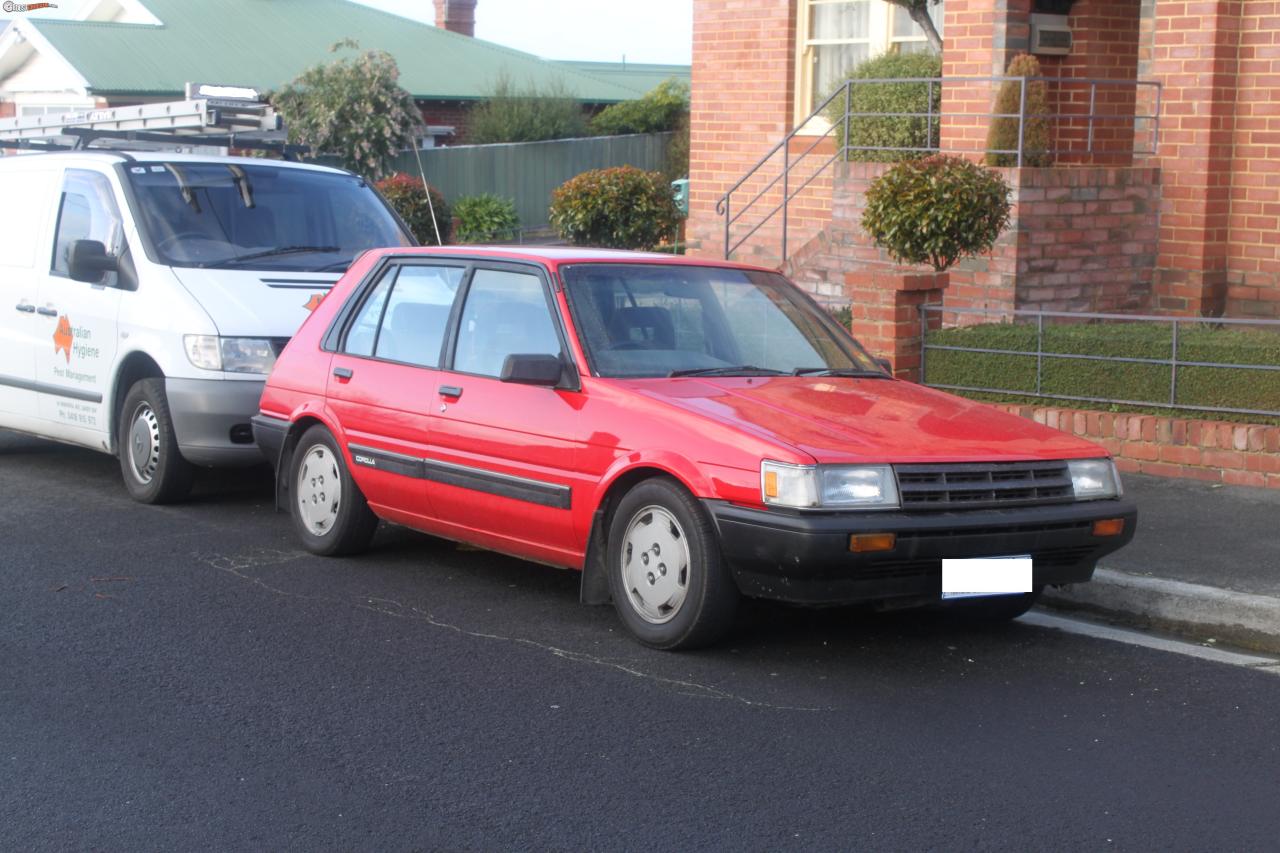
x=265 y=217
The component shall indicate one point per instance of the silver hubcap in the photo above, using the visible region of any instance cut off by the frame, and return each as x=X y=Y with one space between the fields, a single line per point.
x=655 y=564
x=319 y=489
x=144 y=443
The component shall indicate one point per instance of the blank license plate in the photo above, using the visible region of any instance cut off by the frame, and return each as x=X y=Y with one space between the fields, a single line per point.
x=986 y=576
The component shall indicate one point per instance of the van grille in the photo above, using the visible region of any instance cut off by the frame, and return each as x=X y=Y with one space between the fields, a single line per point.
x=983 y=484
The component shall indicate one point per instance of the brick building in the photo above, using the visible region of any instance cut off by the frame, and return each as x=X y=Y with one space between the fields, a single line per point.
x=1179 y=216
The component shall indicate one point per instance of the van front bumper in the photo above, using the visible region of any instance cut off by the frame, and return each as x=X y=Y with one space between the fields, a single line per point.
x=211 y=420
x=804 y=558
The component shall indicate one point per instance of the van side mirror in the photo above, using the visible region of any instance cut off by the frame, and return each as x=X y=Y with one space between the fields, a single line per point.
x=88 y=261
x=528 y=369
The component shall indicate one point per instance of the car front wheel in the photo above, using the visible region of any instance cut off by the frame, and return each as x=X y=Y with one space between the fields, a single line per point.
x=669 y=584
x=154 y=470
x=329 y=511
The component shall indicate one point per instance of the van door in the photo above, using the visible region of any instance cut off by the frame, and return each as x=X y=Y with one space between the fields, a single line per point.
x=78 y=338
x=24 y=217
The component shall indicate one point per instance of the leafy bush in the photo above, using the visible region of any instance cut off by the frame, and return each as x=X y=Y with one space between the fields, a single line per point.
x=353 y=108
x=485 y=218
x=405 y=194
x=936 y=211
x=661 y=109
x=619 y=208
x=1197 y=386
x=514 y=114
x=890 y=131
x=1003 y=133
x=677 y=165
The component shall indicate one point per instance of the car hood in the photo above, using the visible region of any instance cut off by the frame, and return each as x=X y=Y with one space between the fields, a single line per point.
x=254 y=303
x=864 y=420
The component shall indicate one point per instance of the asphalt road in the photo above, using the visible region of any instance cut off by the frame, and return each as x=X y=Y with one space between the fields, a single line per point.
x=187 y=678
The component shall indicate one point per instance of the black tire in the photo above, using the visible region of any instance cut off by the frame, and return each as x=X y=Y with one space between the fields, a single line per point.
x=329 y=523
x=707 y=595
x=992 y=610
x=152 y=465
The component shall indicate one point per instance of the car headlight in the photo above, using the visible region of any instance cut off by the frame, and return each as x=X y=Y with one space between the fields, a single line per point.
x=231 y=355
x=828 y=486
x=1094 y=479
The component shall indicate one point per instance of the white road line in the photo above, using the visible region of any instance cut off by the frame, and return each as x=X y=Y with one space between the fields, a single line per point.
x=1150 y=641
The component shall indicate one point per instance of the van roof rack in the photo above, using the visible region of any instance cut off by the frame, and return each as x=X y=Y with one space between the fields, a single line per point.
x=221 y=116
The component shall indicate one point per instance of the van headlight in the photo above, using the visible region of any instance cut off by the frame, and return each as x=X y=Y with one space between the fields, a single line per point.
x=230 y=355
x=1094 y=479
x=828 y=486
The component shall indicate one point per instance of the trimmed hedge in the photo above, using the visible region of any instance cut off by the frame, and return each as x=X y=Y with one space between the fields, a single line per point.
x=619 y=208
x=1142 y=383
x=485 y=218
x=891 y=131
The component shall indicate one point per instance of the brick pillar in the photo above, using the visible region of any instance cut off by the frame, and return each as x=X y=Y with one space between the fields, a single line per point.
x=980 y=37
x=1195 y=56
x=741 y=105
x=456 y=16
x=885 y=304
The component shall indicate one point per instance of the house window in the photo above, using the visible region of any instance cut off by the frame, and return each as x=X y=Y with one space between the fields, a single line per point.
x=906 y=35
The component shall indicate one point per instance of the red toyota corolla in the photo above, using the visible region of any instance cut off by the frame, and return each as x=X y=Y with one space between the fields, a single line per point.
x=684 y=432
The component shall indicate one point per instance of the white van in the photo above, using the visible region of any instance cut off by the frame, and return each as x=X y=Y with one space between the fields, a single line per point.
x=150 y=293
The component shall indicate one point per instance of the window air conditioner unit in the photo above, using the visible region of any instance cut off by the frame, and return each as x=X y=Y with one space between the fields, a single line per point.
x=1050 y=34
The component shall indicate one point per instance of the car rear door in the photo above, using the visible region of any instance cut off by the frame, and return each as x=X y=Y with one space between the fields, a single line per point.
x=504 y=456
x=383 y=380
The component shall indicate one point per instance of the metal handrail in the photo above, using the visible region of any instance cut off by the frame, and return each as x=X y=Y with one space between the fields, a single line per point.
x=724 y=206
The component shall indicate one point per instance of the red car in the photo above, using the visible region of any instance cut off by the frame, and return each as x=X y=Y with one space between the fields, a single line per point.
x=684 y=432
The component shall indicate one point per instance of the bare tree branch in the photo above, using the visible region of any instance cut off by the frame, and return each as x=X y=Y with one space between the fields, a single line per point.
x=919 y=12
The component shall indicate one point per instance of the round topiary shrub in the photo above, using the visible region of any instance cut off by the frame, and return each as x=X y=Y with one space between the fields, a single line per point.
x=406 y=195
x=936 y=211
x=1002 y=136
x=619 y=208
x=890 y=131
x=485 y=218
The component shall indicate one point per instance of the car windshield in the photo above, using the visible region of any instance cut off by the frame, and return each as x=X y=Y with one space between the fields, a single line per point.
x=644 y=320
x=233 y=215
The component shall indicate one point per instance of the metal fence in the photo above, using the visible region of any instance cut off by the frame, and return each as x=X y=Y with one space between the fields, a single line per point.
x=1096 y=118
x=1265 y=386
x=527 y=172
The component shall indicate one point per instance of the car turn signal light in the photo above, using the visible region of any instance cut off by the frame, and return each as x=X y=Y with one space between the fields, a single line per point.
x=862 y=543
x=1108 y=527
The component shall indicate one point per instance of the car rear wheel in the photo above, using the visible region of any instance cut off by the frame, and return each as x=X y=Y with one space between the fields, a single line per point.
x=154 y=470
x=329 y=511
x=670 y=587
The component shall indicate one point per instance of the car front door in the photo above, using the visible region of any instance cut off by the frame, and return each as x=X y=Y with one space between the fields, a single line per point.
x=383 y=378
x=78 y=337
x=504 y=456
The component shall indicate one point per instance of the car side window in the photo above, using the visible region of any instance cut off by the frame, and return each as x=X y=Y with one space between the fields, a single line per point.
x=87 y=211
x=417 y=314
x=506 y=313
x=363 y=333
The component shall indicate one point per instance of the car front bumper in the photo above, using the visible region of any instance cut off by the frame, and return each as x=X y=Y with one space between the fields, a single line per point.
x=805 y=558
x=211 y=420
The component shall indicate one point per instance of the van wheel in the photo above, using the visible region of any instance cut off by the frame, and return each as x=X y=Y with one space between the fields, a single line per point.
x=329 y=510
x=154 y=470
x=669 y=584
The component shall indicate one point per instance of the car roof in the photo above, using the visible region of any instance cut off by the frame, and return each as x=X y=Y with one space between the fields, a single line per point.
x=112 y=157
x=556 y=256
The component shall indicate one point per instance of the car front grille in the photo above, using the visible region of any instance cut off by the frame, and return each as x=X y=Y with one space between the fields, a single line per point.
x=983 y=484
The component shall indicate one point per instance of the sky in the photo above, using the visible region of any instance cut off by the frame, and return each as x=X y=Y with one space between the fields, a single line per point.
x=599 y=30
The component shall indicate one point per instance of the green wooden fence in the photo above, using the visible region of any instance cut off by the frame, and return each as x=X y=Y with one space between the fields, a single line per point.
x=527 y=172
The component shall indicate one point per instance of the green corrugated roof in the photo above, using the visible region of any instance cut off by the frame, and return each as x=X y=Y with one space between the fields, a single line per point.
x=267 y=43
x=634 y=75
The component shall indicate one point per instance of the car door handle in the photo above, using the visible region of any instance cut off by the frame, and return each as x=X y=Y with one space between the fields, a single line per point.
x=343 y=372
x=47 y=312
x=26 y=309
x=450 y=391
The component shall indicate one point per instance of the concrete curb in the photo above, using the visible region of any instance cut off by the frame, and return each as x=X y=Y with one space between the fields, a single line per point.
x=1199 y=612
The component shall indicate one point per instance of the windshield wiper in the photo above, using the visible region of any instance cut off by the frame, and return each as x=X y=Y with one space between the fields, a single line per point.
x=281 y=250
x=839 y=371
x=728 y=370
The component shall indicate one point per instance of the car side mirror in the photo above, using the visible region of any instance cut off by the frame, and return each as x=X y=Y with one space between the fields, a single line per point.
x=88 y=261
x=532 y=369
x=884 y=364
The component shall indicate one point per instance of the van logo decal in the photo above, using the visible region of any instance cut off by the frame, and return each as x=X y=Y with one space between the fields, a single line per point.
x=63 y=338
x=314 y=302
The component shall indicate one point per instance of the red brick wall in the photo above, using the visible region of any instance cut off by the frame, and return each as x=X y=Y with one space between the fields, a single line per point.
x=455 y=113
x=1253 y=251
x=979 y=39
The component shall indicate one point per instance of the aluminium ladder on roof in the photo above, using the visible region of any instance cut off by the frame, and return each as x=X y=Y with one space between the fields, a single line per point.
x=225 y=122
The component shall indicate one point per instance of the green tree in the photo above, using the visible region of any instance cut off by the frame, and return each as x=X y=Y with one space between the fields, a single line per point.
x=661 y=109
x=919 y=12
x=511 y=113
x=352 y=107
